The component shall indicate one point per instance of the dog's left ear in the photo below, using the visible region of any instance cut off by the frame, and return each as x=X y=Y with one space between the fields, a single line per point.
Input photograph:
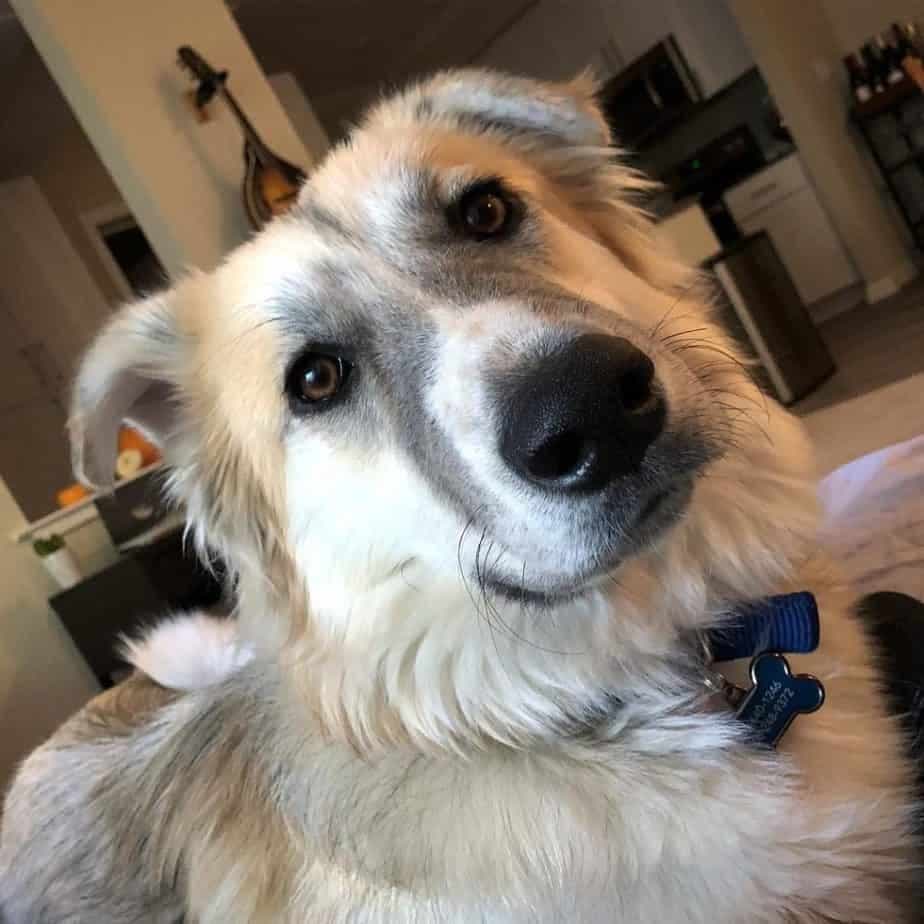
x=519 y=107
x=128 y=375
x=561 y=128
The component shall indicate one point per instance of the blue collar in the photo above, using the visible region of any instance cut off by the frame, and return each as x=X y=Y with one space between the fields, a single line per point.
x=787 y=624
x=766 y=631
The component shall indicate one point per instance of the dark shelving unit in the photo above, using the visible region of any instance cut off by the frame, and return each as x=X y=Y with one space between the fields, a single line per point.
x=890 y=123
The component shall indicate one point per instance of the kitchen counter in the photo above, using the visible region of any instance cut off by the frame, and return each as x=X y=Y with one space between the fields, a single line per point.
x=664 y=204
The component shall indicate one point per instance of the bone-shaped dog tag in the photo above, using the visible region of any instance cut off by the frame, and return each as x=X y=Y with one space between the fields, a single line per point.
x=777 y=697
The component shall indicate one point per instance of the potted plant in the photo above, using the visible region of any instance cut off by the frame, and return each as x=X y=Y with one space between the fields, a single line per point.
x=58 y=560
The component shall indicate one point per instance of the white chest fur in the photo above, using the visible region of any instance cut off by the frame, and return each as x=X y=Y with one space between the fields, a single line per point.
x=673 y=820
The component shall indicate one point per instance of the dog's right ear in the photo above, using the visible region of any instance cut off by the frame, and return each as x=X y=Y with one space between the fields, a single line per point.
x=517 y=107
x=128 y=375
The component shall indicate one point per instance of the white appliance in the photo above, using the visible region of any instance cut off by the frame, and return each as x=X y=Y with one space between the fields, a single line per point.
x=780 y=201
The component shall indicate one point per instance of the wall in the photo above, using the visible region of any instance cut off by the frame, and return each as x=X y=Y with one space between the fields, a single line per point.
x=180 y=178
x=554 y=40
x=41 y=138
x=717 y=51
x=345 y=54
x=43 y=679
x=47 y=317
x=115 y=64
x=794 y=45
x=855 y=21
x=301 y=114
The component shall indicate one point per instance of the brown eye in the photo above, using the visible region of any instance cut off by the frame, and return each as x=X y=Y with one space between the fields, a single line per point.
x=317 y=377
x=485 y=211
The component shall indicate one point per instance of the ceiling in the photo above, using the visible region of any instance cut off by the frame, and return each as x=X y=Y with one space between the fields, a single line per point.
x=343 y=51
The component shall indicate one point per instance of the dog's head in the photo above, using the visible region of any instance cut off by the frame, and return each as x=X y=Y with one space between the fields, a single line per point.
x=460 y=375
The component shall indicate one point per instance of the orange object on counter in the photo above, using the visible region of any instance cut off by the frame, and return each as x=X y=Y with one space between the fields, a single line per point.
x=130 y=438
x=71 y=495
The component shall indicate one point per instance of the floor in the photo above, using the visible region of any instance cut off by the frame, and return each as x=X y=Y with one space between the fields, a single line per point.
x=874 y=519
x=883 y=417
x=876 y=397
x=873 y=346
x=867 y=425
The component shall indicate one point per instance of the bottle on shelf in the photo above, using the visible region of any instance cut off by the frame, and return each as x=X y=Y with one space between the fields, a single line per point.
x=891 y=60
x=914 y=37
x=901 y=39
x=910 y=42
x=875 y=67
x=860 y=84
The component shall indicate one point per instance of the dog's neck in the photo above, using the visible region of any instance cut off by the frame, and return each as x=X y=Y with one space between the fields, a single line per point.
x=426 y=662
x=447 y=671
x=416 y=655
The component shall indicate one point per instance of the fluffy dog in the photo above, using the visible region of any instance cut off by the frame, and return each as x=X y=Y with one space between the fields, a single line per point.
x=483 y=468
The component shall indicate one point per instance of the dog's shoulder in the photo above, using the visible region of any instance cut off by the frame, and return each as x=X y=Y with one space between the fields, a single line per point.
x=59 y=849
x=108 y=809
x=117 y=712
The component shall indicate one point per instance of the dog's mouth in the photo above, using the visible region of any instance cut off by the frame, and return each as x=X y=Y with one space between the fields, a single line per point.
x=660 y=511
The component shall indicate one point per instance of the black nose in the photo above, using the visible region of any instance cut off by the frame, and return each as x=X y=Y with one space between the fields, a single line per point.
x=582 y=417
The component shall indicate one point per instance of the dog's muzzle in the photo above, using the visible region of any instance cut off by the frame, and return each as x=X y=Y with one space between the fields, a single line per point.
x=582 y=418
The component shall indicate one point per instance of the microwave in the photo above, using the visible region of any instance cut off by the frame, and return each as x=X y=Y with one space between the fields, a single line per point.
x=650 y=95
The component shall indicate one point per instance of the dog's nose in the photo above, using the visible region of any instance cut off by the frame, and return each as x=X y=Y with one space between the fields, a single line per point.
x=584 y=416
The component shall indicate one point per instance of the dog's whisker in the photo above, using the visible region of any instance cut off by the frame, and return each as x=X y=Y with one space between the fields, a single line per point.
x=668 y=339
x=489 y=612
x=677 y=302
x=485 y=613
x=705 y=346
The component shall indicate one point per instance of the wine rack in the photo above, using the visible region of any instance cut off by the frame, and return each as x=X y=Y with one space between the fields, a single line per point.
x=892 y=126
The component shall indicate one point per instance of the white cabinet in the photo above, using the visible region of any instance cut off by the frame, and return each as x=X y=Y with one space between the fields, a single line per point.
x=765 y=188
x=689 y=235
x=705 y=30
x=780 y=201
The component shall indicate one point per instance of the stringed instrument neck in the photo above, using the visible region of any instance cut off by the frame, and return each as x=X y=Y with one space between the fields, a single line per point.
x=271 y=184
x=247 y=129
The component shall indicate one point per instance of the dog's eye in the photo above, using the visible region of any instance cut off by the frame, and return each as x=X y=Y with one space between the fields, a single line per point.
x=485 y=211
x=317 y=377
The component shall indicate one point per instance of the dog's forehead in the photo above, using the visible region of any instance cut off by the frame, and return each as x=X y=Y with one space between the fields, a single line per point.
x=369 y=237
x=370 y=232
x=382 y=172
x=306 y=280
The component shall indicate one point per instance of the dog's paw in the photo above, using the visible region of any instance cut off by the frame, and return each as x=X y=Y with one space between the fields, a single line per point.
x=188 y=651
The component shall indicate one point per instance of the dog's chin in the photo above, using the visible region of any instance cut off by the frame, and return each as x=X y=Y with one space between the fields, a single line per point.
x=660 y=512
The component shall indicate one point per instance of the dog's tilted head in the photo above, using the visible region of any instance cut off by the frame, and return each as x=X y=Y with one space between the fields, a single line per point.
x=459 y=418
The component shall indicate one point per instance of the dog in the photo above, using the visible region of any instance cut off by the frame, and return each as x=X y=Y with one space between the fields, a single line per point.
x=485 y=470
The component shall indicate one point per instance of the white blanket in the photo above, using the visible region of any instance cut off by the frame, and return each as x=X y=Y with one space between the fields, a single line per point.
x=874 y=518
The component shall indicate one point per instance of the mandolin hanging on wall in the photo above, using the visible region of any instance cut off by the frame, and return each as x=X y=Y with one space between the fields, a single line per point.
x=270 y=184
